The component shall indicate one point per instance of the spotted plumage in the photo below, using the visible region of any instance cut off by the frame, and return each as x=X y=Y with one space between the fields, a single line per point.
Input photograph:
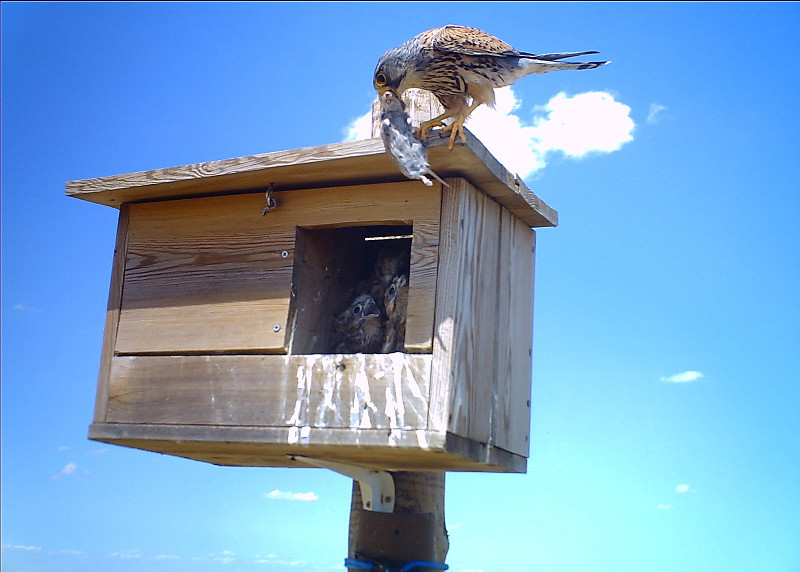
x=359 y=328
x=462 y=66
x=396 y=304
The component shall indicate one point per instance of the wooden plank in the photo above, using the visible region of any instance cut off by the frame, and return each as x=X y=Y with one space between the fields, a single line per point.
x=339 y=164
x=422 y=286
x=205 y=275
x=269 y=447
x=443 y=381
x=212 y=274
x=515 y=340
x=473 y=402
x=384 y=391
x=112 y=315
x=480 y=381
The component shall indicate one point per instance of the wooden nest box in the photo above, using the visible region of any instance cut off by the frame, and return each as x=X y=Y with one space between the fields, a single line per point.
x=217 y=342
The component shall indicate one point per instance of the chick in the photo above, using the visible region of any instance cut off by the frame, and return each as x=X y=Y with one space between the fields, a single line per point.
x=359 y=328
x=396 y=304
x=390 y=262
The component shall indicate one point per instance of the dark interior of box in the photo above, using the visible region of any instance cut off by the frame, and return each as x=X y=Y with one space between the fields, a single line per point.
x=329 y=265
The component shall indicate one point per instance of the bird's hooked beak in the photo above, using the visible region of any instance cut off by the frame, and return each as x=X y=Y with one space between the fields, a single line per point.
x=371 y=309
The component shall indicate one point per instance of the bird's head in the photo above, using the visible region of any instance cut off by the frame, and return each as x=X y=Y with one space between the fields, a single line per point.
x=391 y=70
x=396 y=297
x=364 y=308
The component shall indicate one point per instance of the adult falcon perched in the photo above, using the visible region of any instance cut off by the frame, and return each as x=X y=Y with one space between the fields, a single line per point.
x=457 y=63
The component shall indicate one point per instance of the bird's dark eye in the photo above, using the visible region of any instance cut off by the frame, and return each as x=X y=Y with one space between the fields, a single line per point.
x=380 y=79
x=357 y=309
x=392 y=290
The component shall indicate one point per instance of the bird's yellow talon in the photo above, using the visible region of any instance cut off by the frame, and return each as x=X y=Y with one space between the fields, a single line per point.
x=422 y=131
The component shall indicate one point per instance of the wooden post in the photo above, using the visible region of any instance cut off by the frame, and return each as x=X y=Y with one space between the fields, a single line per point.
x=416 y=529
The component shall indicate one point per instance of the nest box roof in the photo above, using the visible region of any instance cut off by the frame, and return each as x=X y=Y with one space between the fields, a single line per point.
x=352 y=163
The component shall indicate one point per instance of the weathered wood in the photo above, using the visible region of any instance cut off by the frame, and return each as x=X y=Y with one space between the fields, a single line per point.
x=398 y=449
x=348 y=163
x=376 y=391
x=414 y=531
x=212 y=274
x=218 y=327
x=484 y=308
x=112 y=315
x=515 y=319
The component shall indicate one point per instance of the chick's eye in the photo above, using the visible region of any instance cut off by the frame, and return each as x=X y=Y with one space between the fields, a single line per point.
x=380 y=79
x=357 y=309
x=392 y=290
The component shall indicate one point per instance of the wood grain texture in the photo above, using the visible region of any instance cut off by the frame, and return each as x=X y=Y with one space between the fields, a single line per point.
x=480 y=380
x=384 y=391
x=515 y=345
x=407 y=450
x=350 y=163
x=210 y=275
x=112 y=315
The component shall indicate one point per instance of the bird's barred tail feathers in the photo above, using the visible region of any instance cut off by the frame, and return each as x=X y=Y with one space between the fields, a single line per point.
x=539 y=65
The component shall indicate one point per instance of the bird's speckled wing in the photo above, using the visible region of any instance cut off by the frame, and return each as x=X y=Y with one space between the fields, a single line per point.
x=469 y=41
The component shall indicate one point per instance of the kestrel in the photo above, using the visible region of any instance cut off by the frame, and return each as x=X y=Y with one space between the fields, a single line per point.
x=359 y=328
x=391 y=261
x=396 y=303
x=400 y=140
x=456 y=64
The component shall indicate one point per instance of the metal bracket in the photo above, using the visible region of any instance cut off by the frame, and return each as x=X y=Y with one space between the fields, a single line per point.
x=377 y=487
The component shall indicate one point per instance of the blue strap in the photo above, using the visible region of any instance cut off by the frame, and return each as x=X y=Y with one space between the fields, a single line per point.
x=356 y=564
x=423 y=564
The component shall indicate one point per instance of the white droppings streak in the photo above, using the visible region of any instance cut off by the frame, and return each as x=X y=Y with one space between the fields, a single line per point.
x=294 y=435
x=363 y=399
x=303 y=376
x=331 y=387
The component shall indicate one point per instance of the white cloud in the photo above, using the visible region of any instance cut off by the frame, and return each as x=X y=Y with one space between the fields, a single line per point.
x=224 y=557
x=685 y=377
x=654 y=113
x=23 y=547
x=287 y=495
x=69 y=469
x=573 y=126
x=69 y=552
x=127 y=554
x=591 y=122
x=101 y=451
x=683 y=489
x=664 y=506
x=275 y=561
x=359 y=128
x=25 y=308
x=505 y=136
x=166 y=557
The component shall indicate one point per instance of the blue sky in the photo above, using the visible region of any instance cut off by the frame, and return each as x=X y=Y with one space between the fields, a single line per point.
x=678 y=251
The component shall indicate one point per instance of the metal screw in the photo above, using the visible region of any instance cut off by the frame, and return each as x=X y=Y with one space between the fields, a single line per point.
x=285 y=254
x=276 y=328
